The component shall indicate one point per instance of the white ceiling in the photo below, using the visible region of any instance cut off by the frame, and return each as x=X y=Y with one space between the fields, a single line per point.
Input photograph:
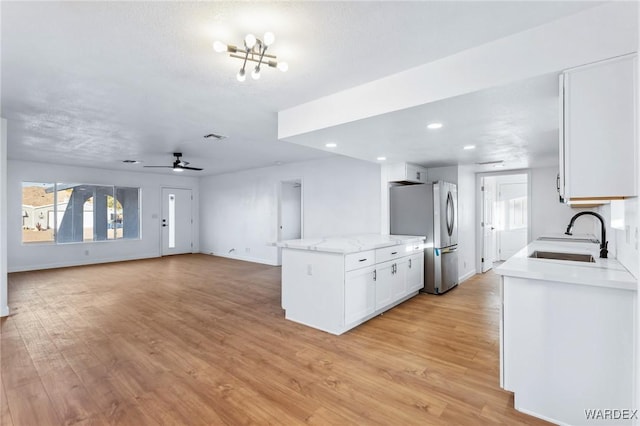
x=516 y=124
x=95 y=83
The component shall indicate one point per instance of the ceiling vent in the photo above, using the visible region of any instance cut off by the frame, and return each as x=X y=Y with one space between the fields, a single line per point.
x=485 y=163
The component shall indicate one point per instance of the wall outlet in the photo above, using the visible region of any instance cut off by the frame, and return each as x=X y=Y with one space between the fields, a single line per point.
x=86 y=252
x=309 y=270
x=247 y=249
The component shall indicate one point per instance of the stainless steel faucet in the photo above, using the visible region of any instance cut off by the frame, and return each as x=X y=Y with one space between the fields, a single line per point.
x=603 y=231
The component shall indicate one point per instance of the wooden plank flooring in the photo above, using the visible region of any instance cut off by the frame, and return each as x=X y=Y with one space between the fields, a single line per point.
x=196 y=339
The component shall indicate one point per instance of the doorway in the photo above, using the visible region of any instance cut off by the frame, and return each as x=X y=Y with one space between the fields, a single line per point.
x=504 y=216
x=177 y=221
x=290 y=220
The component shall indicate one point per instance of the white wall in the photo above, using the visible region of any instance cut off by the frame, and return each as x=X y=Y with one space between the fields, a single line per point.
x=239 y=211
x=24 y=257
x=447 y=174
x=466 y=180
x=548 y=215
x=4 y=301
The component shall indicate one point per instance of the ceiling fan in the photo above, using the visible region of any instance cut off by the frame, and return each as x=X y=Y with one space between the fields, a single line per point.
x=178 y=164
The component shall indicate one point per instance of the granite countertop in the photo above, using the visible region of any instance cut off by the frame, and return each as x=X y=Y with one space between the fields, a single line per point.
x=602 y=273
x=349 y=243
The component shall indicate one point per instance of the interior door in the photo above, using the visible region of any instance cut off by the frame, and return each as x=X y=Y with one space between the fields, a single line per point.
x=513 y=235
x=177 y=221
x=488 y=229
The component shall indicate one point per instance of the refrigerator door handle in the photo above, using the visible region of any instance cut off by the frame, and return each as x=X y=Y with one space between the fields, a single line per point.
x=450 y=214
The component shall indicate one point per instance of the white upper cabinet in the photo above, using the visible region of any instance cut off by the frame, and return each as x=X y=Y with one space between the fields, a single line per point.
x=598 y=131
x=407 y=173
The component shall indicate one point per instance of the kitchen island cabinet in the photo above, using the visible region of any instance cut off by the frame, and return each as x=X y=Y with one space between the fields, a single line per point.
x=567 y=334
x=335 y=284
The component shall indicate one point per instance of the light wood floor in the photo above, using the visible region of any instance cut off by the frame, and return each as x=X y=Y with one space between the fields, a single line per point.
x=196 y=339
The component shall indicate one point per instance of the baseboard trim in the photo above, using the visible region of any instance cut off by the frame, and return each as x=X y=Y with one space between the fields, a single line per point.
x=4 y=311
x=466 y=276
x=81 y=263
x=236 y=257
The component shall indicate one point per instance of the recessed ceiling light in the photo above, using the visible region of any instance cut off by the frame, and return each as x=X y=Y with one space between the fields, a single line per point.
x=468 y=147
x=331 y=145
x=130 y=161
x=381 y=158
x=434 y=126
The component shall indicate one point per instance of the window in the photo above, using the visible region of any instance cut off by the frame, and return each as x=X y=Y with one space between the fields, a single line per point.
x=76 y=212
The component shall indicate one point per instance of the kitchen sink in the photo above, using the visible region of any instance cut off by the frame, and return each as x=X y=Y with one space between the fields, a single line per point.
x=570 y=240
x=576 y=257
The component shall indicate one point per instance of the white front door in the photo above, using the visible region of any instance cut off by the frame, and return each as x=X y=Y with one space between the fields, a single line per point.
x=177 y=221
x=488 y=201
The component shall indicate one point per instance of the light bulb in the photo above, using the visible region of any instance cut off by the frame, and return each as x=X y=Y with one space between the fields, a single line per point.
x=255 y=73
x=219 y=46
x=241 y=75
x=269 y=38
x=178 y=169
x=250 y=40
x=283 y=66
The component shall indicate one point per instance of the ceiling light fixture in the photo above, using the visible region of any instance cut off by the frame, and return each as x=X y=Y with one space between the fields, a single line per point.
x=434 y=126
x=254 y=51
x=381 y=158
x=331 y=145
x=468 y=147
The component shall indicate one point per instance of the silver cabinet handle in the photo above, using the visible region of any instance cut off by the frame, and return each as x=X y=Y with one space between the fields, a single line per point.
x=394 y=252
x=409 y=263
x=374 y=275
x=362 y=260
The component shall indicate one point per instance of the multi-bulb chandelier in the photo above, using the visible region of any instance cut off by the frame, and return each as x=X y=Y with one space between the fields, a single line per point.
x=254 y=51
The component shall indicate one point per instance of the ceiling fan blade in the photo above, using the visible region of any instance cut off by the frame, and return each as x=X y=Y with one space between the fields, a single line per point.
x=160 y=166
x=190 y=168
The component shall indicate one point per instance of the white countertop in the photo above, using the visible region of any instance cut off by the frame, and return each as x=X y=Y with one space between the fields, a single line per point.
x=349 y=243
x=602 y=273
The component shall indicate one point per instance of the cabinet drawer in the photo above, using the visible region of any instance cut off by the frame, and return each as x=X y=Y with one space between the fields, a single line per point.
x=414 y=248
x=359 y=260
x=390 y=253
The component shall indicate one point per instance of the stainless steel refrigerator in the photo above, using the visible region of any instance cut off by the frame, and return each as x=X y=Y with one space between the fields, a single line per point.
x=430 y=209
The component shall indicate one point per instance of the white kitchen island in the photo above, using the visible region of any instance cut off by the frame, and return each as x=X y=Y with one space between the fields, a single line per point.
x=334 y=284
x=567 y=335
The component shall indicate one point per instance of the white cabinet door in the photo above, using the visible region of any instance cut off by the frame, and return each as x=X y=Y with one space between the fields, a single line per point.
x=597 y=146
x=404 y=172
x=359 y=294
x=416 y=174
x=384 y=283
x=399 y=279
x=415 y=272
